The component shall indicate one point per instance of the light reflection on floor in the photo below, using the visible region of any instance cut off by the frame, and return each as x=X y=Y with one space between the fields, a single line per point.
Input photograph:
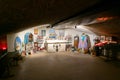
x=65 y=66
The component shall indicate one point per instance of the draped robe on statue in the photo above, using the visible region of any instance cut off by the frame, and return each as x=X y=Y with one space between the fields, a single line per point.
x=83 y=42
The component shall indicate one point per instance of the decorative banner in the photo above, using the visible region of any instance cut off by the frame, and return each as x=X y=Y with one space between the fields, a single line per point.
x=36 y=31
x=26 y=38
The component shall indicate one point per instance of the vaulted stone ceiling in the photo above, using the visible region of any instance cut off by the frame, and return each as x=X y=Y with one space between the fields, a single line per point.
x=17 y=15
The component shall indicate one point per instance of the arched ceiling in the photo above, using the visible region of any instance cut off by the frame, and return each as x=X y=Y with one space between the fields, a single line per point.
x=21 y=14
x=17 y=15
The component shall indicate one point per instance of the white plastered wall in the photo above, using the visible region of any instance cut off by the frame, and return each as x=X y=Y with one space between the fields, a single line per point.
x=11 y=38
x=73 y=32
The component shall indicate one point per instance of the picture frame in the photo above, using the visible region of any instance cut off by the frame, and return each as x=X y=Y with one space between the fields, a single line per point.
x=43 y=32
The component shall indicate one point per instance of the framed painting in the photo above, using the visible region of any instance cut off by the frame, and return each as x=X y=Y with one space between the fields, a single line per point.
x=61 y=33
x=43 y=32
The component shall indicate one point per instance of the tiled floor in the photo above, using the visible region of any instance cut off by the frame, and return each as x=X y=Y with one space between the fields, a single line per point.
x=65 y=66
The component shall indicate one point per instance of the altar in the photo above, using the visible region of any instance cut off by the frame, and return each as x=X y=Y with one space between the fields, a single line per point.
x=56 y=45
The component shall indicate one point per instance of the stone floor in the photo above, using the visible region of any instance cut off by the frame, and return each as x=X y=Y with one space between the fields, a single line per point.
x=65 y=66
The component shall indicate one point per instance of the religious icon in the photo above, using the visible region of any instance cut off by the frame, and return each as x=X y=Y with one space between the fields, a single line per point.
x=52 y=33
x=36 y=31
x=17 y=44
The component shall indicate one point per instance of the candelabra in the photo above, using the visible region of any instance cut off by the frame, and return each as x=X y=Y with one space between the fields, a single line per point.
x=56 y=46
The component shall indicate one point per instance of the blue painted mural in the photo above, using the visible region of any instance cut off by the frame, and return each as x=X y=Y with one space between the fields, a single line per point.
x=18 y=44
